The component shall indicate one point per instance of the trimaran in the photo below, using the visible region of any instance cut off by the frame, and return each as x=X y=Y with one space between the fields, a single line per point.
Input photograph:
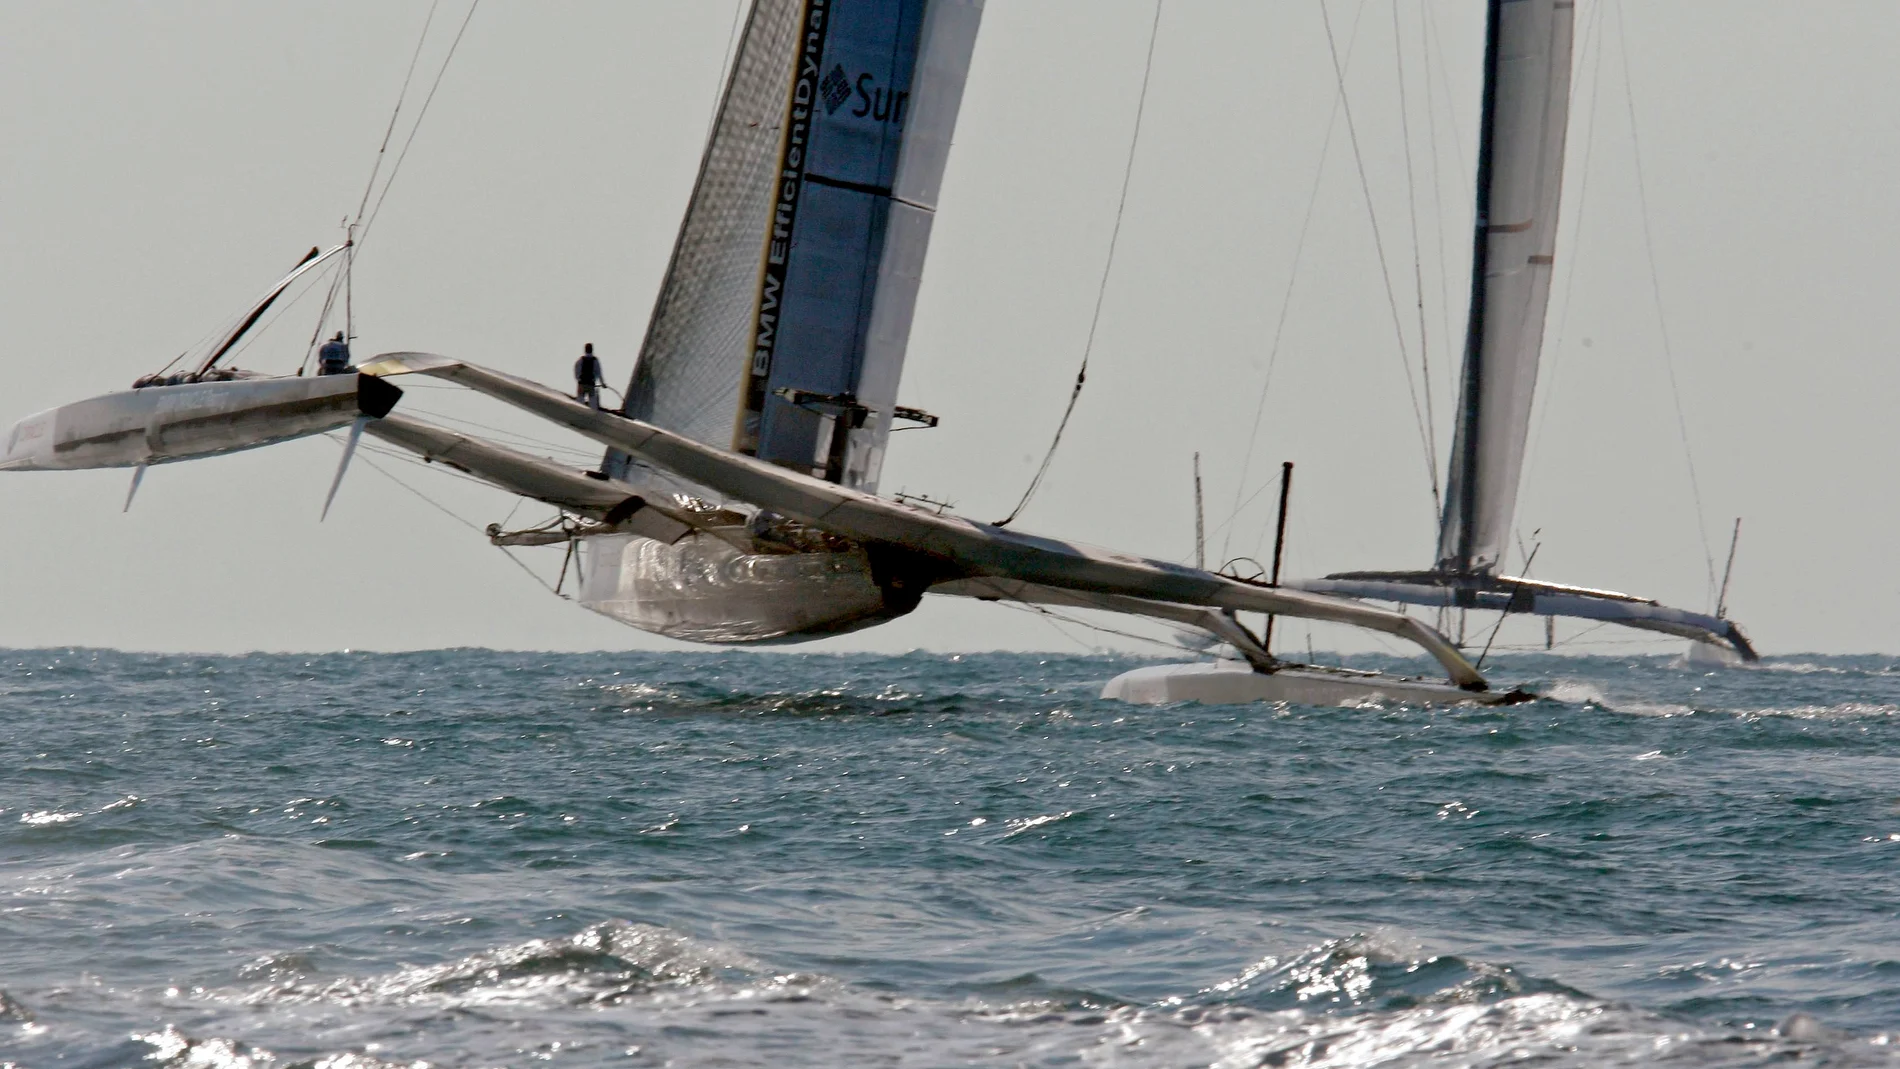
x=737 y=503
x=1526 y=103
x=1524 y=119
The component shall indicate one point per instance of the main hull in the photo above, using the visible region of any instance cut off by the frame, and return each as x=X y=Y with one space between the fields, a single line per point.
x=703 y=589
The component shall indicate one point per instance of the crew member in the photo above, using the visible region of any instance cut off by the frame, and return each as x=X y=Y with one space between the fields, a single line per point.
x=334 y=357
x=587 y=378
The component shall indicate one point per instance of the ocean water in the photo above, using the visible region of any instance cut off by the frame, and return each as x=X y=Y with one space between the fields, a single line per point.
x=472 y=858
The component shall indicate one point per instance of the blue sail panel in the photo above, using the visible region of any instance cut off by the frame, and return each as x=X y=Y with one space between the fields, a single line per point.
x=840 y=154
x=781 y=328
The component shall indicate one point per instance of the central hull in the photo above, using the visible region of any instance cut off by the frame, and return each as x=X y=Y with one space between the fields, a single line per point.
x=704 y=589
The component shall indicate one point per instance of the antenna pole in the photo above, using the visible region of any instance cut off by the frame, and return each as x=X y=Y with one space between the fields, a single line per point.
x=1721 y=599
x=1279 y=544
x=1200 y=519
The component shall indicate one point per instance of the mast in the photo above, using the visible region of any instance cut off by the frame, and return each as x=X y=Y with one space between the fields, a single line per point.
x=1465 y=450
x=1524 y=114
x=1279 y=550
x=1721 y=598
x=1200 y=519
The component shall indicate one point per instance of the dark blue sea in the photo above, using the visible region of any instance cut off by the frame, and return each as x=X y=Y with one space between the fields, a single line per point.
x=471 y=858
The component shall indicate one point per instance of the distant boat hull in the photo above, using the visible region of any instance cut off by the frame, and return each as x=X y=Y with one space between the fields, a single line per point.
x=1237 y=683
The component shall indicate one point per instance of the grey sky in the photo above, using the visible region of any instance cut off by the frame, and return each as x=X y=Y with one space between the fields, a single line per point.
x=166 y=162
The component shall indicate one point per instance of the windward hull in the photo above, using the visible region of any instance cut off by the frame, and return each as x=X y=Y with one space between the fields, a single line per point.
x=159 y=424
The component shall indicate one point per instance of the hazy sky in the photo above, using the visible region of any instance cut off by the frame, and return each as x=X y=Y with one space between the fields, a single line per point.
x=166 y=162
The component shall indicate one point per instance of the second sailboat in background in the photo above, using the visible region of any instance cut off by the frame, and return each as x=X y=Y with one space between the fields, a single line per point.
x=1525 y=116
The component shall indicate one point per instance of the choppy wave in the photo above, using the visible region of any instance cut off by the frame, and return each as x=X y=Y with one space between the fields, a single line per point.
x=1591 y=695
x=376 y=862
x=1362 y=1001
x=603 y=963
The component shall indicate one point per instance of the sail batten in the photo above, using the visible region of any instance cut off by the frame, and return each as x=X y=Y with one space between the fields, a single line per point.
x=1525 y=114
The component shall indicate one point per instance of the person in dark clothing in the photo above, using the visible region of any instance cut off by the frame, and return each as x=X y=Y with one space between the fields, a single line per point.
x=587 y=378
x=334 y=357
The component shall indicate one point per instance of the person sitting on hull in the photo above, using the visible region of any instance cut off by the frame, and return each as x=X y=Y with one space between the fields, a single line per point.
x=334 y=357
x=587 y=378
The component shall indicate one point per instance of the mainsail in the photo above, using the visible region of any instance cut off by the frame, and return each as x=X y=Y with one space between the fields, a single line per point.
x=1520 y=171
x=1526 y=107
x=781 y=326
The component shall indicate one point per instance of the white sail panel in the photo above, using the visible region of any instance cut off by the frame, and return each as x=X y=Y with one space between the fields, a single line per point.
x=699 y=338
x=943 y=63
x=1520 y=169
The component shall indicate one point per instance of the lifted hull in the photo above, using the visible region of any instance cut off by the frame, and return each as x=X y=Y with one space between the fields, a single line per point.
x=702 y=589
x=157 y=424
x=1237 y=683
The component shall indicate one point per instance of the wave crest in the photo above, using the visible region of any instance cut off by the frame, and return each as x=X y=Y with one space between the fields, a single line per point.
x=602 y=963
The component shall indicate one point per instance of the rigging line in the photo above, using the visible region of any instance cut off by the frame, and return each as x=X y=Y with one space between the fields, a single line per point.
x=1436 y=38
x=725 y=68
x=1516 y=589
x=405 y=457
x=204 y=343
x=501 y=434
x=444 y=509
x=1108 y=266
x=401 y=95
x=505 y=520
x=532 y=574
x=1655 y=283
x=329 y=302
x=1048 y=618
x=1433 y=43
x=279 y=313
x=439 y=507
x=1378 y=244
x=421 y=114
x=440 y=469
x=1050 y=614
x=1418 y=271
x=1540 y=419
x=1286 y=303
x=1438 y=194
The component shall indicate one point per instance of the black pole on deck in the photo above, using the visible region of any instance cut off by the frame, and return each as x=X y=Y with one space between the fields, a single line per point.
x=1721 y=598
x=1279 y=544
x=1200 y=519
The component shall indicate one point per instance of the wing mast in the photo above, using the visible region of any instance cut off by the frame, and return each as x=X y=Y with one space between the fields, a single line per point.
x=1525 y=114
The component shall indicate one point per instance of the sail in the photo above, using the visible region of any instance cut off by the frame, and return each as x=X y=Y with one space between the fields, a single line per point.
x=781 y=326
x=1520 y=170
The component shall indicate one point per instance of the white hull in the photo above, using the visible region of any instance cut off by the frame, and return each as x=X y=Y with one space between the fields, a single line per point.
x=163 y=423
x=1704 y=655
x=1236 y=683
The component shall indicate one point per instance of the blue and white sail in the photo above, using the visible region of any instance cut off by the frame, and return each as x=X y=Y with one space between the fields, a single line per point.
x=1526 y=111
x=781 y=327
